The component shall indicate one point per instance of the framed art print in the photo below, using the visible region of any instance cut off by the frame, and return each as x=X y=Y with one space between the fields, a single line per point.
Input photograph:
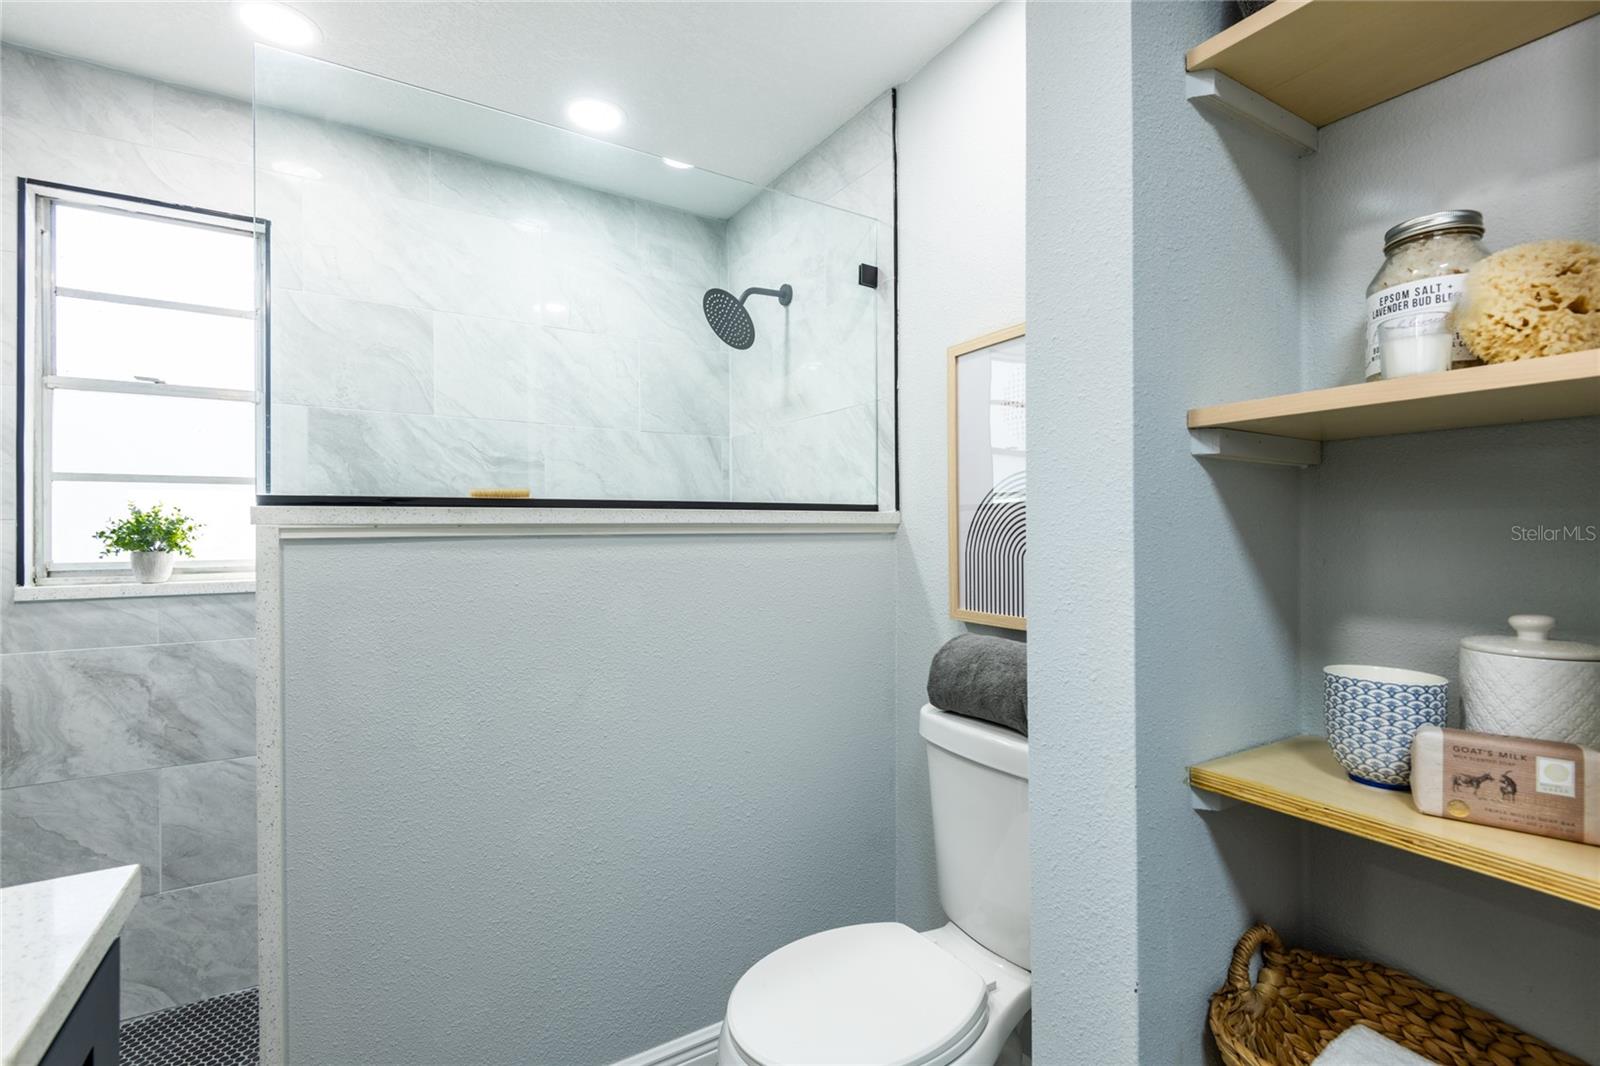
x=988 y=479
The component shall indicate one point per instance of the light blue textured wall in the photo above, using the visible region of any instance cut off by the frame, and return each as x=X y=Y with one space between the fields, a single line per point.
x=1081 y=787
x=962 y=218
x=546 y=799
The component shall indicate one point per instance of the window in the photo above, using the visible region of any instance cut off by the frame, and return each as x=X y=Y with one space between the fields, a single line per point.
x=145 y=343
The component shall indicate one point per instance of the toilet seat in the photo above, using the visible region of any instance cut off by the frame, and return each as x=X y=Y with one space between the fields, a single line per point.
x=879 y=993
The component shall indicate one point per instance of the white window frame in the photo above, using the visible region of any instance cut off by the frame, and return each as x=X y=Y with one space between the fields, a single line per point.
x=40 y=382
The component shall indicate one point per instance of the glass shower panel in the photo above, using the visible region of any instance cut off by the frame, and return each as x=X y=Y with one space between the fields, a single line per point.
x=465 y=304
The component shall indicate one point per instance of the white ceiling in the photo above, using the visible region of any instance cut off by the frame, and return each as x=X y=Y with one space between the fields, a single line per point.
x=740 y=88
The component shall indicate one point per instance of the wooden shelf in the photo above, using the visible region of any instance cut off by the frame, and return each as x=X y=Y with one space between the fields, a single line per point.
x=1530 y=390
x=1300 y=777
x=1325 y=59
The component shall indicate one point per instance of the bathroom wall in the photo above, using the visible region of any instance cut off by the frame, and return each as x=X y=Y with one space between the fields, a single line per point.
x=962 y=151
x=564 y=841
x=1216 y=545
x=811 y=400
x=1081 y=596
x=441 y=322
x=127 y=725
x=1245 y=580
x=1398 y=568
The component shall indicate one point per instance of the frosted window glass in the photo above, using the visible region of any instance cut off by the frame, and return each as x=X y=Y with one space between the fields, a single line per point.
x=94 y=339
x=106 y=251
x=78 y=508
x=115 y=433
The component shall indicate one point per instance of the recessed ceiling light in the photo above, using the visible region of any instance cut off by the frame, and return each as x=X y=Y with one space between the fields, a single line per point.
x=555 y=309
x=297 y=170
x=677 y=164
x=597 y=116
x=278 y=23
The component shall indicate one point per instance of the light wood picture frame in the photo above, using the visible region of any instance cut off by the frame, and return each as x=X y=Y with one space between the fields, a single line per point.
x=987 y=490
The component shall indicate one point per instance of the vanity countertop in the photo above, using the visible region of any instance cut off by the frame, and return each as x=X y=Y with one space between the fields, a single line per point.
x=53 y=935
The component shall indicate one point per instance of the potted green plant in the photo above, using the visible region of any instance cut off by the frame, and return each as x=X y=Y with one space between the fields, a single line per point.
x=153 y=540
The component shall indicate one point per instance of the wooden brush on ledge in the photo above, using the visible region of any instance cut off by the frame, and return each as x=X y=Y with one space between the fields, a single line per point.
x=499 y=494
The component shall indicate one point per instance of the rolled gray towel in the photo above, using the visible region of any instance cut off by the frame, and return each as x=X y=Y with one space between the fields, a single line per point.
x=982 y=677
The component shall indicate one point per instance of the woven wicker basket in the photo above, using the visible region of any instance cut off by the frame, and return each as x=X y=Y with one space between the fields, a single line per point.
x=1302 y=1000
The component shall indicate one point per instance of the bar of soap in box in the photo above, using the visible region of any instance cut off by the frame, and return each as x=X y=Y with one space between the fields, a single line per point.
x=1532 y=786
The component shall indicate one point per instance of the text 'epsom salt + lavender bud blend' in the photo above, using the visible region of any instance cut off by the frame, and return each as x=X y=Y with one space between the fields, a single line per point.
x=1424 y=269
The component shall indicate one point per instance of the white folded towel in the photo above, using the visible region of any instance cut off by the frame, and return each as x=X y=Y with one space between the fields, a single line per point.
x=1360 y=1046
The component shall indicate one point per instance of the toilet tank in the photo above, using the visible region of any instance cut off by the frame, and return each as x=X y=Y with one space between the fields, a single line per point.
x=978 y=777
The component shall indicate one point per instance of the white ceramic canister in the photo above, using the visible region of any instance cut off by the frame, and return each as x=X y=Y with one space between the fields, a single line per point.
x=1531 y=686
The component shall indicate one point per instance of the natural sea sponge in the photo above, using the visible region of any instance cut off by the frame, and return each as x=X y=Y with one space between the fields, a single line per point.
x=1530 y=300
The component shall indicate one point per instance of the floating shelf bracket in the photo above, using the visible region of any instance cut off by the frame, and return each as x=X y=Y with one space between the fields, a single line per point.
x=1214 y=91
x=1201 y=800
x=1245 y=447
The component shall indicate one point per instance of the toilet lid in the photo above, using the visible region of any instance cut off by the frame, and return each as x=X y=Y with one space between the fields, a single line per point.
x=863 y=995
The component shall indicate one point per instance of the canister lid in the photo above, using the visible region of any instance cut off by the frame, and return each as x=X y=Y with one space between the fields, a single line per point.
x=1533 y=641
x=1438 y=222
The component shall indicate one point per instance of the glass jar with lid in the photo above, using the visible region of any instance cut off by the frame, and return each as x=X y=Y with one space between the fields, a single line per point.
x=1424 y=269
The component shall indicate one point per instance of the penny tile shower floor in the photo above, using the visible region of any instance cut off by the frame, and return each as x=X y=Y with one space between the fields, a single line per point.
x=220 y=1031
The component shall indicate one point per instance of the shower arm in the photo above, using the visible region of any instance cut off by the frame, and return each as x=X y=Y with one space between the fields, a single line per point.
x=784 y=295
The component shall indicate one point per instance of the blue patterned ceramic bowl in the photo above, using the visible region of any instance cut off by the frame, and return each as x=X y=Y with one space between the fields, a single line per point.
x=1372 y=713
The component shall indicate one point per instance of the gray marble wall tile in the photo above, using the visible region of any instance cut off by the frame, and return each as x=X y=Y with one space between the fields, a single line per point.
x=202 y=124
x=38 y=150
x=862 y=143
x=683 y=388
x=289 y=458
x=360 y=453
x=678 y=246
x=186 y=945
x=819 y=354
x=485 y=367
x=587 y=379
x=77 y=714
x=329 y=351
x=341 y=155
x=612 y=464
x=830 y=458
x=280 y=200
x=75 y=96
x=208 y=822
x=468 y=183
x=69 y=624
x=209 y=617
x=71 y=827
x=389 y=250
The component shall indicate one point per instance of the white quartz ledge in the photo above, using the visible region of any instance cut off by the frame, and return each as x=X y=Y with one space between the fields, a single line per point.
x=338 y=521
x=117 y=590
x=55 y=934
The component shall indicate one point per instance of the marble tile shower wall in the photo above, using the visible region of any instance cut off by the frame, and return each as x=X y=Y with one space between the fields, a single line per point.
x=813 y=398
x=441 y=322
x=127 y=727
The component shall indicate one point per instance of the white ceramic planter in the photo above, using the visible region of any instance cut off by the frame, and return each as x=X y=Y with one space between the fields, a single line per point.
x=152 y=568
x=1531 y=686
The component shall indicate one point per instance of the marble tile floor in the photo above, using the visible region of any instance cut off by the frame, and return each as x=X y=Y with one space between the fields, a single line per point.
x=220 y=1031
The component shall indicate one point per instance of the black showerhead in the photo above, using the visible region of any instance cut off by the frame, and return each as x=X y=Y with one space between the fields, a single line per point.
x=729 y=320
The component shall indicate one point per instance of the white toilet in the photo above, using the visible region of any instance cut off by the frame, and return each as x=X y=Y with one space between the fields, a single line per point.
x=885 y=995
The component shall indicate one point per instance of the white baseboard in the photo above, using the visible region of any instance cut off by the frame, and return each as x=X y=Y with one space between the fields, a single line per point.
x=698 y=1048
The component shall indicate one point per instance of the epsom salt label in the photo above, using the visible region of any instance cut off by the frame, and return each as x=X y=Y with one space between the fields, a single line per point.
x=1429 y=294
x=1424 y=259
